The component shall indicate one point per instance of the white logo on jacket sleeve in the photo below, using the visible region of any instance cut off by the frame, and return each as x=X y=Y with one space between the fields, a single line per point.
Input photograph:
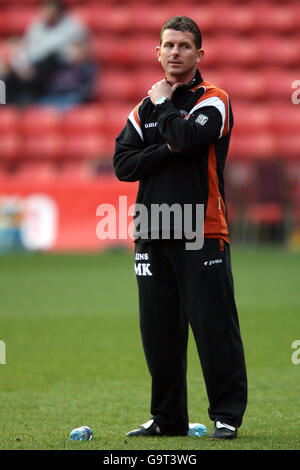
x=201 y=119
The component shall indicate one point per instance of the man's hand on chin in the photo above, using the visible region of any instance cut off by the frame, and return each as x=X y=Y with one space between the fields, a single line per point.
x=162 y=88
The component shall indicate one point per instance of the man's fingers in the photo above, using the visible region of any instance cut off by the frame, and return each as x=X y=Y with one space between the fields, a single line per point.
x=162 y=88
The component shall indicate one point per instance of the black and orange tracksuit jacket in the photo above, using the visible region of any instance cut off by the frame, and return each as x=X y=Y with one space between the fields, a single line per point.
x=197 y=124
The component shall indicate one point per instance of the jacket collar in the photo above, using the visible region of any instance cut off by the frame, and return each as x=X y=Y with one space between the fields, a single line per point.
x=195 y=81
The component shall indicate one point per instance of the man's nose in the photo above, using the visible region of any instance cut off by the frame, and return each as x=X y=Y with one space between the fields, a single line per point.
x=175 y=50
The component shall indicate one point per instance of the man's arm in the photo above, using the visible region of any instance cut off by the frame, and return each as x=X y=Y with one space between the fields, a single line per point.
x=207 y=121
x=134 y=161
x=185 y=135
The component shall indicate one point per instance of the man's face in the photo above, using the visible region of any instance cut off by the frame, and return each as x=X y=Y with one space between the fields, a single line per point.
x=50 y=14
x=178 y=54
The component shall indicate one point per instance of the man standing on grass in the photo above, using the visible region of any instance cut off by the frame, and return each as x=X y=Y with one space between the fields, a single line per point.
x=175 y=144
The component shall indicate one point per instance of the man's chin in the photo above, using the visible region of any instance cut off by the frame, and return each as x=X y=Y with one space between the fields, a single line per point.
x=175 y=73
x=176 y=70
x=174 y=76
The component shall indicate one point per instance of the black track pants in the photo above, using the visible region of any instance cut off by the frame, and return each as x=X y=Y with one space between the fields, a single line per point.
x=178 y=287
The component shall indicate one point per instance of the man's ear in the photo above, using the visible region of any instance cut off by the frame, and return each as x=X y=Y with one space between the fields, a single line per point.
x=200 y=55
x=157 y=50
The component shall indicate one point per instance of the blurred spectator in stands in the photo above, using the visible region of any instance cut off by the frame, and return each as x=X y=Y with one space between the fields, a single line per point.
x=73 y=81
x=43 y=48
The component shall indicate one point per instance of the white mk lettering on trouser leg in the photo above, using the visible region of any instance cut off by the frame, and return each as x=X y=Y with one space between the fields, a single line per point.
x=142 y=269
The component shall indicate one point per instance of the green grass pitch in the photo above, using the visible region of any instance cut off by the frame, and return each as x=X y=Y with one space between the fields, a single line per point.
x=74 y=355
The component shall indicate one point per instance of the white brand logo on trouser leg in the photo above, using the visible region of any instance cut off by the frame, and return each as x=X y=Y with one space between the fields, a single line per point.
x=142 y=269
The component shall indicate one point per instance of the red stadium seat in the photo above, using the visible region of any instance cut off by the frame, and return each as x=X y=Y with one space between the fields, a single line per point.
x=151 y=2
x=74 y=170
x=277 y=17
x=285 y=118
x=116 y=118
x=16 y=21
x=279 y=82
x=84 y=119
x=129 y=51
x=9 y=120
x=212 y=75
x=211 y=52
x=254 y=145
x=101 y=17
x=4 y=170
x=288 y=145
x=36 y=170
x=48 y=146
x=151 y=18
x=21 y=2
x=41 y=120
x=117 y=86
x=11 y=147
x=243 y=83
x=144 y=53
x=278 y=50
x=238 y=18
x=202 y=14
x=236 y=50
x=111 y=50
x=145 y=78
x=154 y=16
x=71 y=3
x=118 y=19
x=88 y=146
x=250 y=117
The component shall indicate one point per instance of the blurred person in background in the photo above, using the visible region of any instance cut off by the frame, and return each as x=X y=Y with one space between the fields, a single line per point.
x=40 y=52
x=72 y=81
